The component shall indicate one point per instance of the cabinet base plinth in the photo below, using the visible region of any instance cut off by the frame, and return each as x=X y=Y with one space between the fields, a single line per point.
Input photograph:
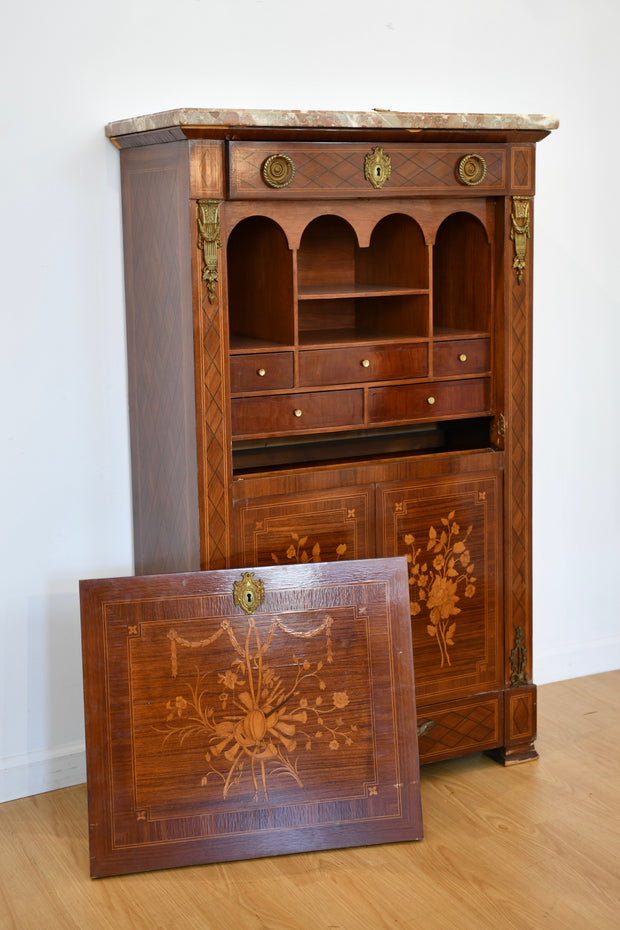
x=513 y=755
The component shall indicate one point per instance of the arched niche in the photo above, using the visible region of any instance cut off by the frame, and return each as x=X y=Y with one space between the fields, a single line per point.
x=462 y=275
x=327 y=253
x=397 y=254
x=260 y=283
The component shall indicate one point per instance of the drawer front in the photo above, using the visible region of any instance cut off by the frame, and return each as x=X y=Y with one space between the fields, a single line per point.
x=266 y=372
x=448 y=730
x=323 y=169
x=362 y=363
x=461 y=357
x=286 y=414
x=433 y=400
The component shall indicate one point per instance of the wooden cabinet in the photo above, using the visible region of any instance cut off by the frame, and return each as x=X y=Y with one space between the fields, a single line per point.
x=329 y=324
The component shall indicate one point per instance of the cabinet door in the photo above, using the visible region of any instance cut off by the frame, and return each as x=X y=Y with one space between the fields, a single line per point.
x=311 y=526
x=449 y=529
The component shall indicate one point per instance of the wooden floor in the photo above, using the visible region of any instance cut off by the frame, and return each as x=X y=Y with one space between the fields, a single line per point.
x=531 y=846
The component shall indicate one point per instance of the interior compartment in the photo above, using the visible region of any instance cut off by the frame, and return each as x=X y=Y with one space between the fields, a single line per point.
x=349 y=294
x=461 y=277
x=260 y=285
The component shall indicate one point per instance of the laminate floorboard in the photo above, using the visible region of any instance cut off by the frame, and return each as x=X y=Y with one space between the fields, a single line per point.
x=530 y=846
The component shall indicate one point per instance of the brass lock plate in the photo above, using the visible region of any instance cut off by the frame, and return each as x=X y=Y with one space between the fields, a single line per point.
x=248 y=593
x=377 y=167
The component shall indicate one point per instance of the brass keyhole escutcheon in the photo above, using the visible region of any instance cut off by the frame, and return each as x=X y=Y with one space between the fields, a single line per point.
x=377 y=167
x=249 y=593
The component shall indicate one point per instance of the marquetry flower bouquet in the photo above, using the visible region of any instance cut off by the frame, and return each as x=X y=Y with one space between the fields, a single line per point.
x=254 y=718
x=437 y=576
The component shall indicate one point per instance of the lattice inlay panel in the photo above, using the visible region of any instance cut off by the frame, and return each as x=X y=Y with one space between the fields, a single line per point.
x=324 y=170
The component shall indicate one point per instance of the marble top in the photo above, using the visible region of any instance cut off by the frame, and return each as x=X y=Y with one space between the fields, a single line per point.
x=330 y=119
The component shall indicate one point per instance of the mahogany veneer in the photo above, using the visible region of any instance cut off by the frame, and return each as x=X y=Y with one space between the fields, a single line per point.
x=329 y=323
x=217 y=731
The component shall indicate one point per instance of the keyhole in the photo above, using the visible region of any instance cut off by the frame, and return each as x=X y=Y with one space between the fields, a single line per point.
x=249 y=597
x=378 y=171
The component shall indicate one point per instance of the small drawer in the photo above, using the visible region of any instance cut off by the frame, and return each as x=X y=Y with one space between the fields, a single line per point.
x=284 y=414
x=266 y=372
x=301 y=170
x=433 y=400
x=363 y=363
x=455 y=728
x=461 y=357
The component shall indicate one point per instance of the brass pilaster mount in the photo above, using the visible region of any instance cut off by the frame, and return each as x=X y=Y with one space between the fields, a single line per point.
x=209 y=242
x=520 y=232
x=518 y=660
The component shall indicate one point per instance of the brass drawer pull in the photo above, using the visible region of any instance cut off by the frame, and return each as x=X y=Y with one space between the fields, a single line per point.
x=425 y=727
x=365 y=363
x=430 y=400
x=278 y=171
x=261 y=372
x=297 y=412
x=472 y=170
x=462 y=357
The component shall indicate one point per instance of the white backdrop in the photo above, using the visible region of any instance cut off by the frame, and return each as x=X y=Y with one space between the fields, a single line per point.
x=70 y=67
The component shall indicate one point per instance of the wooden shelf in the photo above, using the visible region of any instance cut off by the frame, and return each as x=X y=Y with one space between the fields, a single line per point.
x=452 y=332
x=340 y=337
x=335 y=292
x=249 y=344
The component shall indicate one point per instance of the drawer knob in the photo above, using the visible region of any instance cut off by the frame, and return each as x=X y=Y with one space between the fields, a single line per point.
x=430 y=400
x=462 y=357
x=297 y=412
x=365 y=363
x=261 y=372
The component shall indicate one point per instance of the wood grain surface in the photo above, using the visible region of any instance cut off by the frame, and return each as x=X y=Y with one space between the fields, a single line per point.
x=531 y=846
x=219 y=731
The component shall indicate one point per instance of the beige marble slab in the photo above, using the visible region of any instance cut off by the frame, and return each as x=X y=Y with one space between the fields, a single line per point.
x=329 y=119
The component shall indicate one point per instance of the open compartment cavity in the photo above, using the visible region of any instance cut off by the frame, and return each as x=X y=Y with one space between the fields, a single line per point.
x=260 y=286
x=347 y=293
x=461 y=278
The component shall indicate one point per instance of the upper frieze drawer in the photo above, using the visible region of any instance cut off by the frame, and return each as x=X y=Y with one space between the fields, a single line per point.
x=294 y=170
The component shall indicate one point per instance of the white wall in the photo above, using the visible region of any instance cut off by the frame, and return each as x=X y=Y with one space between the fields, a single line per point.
x=70 y=67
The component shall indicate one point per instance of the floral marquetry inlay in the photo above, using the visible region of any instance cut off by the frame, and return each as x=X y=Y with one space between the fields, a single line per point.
x=438 y=574
x=301 y=552
x=256 y=720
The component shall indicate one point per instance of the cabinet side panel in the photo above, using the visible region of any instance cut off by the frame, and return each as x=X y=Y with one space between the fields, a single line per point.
x=155 y=183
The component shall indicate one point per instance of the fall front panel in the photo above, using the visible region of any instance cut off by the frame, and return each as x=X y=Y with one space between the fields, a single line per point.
x=217 y=732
